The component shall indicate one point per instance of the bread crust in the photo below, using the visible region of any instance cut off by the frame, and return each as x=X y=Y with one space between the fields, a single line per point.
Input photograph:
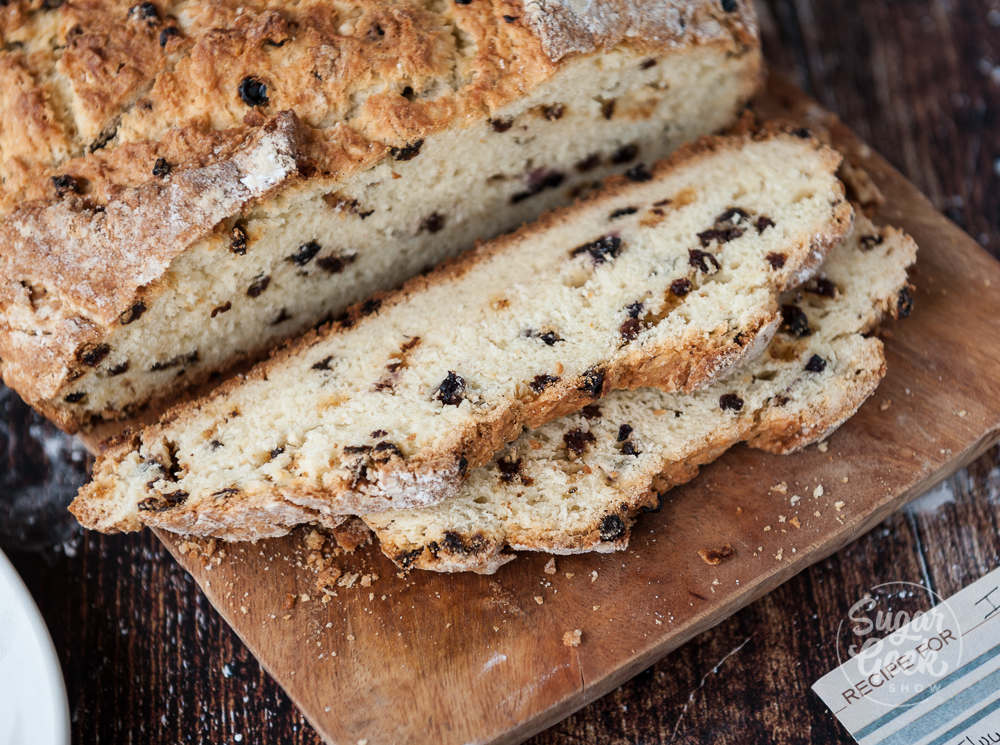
x=423 y=478
x=111 y=252
x=98 y=92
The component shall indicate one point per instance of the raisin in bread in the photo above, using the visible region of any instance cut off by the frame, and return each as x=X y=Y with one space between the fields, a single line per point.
x=186 y=182
x=578 y=483
x=667 y=279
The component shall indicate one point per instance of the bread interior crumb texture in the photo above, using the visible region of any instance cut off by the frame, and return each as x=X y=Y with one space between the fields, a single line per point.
x=310 y=251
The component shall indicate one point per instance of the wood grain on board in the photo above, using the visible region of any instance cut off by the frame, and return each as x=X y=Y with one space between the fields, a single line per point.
x=464 y=658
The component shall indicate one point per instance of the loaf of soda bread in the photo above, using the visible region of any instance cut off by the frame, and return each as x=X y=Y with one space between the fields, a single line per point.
x=186 y=182
x=577 y=484
x=668 y=277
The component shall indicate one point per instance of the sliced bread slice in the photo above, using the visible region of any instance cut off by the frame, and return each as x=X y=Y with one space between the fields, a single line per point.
x=667 y=278
x=578 y=483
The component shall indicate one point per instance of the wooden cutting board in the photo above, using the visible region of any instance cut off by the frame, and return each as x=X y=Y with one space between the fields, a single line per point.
x=455 y=659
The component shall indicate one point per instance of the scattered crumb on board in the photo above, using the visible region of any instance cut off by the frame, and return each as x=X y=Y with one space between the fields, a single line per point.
x=322 y=553
x=715 y=556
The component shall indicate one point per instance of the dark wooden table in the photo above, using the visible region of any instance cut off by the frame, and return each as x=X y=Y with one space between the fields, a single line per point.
x=147 y=660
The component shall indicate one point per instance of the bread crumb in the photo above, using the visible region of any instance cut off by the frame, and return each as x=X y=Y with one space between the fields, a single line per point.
x=823 y=446
x=838 y=506
x=780 y=488
x=550 y=567
x=795 y=521
x=715 y=556
x=572 y=638
x=348 y=580
x=203 y=549
x=884 y=406
x=314 y=540
x=570 y=575
x=290 y=599
x=327 y=578
x=539 y=599
x=593 y=576
x=818 y=491
x=794 y=500
x=780 y=555
x=351 y=534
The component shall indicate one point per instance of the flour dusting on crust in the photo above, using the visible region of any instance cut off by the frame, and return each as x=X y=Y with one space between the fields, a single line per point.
x=580 y=26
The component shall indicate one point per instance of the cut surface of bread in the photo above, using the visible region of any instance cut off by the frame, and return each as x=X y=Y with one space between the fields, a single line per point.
x=578 y=483
x=668 y=278
x=268 y=167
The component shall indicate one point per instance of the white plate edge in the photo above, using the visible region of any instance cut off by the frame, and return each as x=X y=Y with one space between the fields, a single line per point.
x=53 y=670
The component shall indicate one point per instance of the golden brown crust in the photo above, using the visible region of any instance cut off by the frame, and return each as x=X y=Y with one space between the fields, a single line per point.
x=107 y=87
